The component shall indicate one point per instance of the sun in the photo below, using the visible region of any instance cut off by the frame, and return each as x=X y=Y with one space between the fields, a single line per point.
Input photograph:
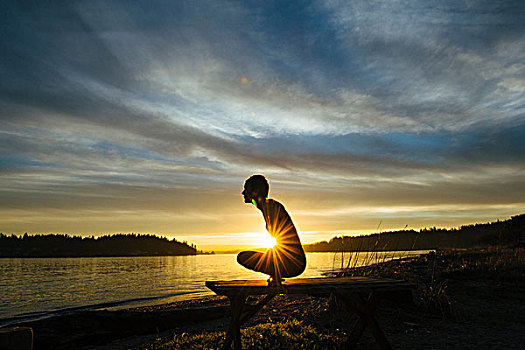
x=268 y=241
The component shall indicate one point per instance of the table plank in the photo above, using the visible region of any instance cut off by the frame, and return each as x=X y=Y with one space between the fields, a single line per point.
x=307 y=285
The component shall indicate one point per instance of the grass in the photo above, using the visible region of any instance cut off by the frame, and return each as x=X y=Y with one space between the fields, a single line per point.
x=495 y=263
x=291 y=334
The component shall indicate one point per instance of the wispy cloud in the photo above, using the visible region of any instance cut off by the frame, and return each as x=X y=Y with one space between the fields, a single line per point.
x=157 y=108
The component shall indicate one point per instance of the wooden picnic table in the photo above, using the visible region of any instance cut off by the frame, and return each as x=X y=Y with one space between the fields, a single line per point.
x=359 y=294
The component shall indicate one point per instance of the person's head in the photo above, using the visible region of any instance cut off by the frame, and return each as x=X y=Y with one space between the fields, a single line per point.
x=255 y=188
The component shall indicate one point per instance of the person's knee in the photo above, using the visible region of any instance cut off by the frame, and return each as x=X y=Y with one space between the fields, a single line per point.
x=241 y=257
x=244 y=257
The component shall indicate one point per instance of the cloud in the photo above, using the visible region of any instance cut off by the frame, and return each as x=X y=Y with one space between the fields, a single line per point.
x=125 y=105
x=397 y=74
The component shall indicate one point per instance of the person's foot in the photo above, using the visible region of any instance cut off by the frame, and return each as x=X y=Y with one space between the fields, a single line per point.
x=273 y=282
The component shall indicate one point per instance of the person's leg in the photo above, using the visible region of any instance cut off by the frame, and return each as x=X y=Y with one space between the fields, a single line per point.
x=255 y=261
x=292 y=268
x=291 y=261
x=289 y=270
x=273 y=263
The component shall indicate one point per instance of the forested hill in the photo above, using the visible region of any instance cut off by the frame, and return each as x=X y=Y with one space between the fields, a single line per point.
x=59 y=245
x=509 y=232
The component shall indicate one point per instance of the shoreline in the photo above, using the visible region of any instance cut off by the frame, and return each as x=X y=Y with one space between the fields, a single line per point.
x=474 y=294
x=89 y=288
x=87 y=329
x=120 y=305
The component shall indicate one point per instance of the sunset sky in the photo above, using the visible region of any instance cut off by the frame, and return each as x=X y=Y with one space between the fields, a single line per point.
x=147 y=116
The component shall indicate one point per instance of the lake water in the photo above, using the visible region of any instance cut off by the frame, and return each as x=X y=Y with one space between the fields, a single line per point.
x=41 y=287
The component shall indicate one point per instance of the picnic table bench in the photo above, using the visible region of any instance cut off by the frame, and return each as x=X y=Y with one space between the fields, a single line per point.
x=359 y=294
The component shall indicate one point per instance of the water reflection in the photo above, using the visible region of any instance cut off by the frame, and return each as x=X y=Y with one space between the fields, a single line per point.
x=50 y=284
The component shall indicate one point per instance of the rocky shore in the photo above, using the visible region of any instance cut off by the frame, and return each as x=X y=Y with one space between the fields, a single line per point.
x=465 y=299
x=88 y=329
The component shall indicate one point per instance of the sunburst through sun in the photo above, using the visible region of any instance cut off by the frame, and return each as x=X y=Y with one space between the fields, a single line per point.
x=268 y=241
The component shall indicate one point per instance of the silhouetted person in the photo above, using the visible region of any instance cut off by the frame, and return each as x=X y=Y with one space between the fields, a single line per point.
x=286 y=258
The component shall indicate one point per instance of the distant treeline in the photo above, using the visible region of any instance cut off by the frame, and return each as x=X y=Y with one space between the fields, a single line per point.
x=62 y=245
x=509 y=232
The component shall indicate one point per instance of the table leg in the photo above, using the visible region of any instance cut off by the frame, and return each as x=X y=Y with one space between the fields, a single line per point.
x=365 y=310
x=234 y=332
x=357 y=332
x=256 y=308
x=368 y=309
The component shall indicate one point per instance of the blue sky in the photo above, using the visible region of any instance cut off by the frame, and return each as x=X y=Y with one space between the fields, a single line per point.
x=147 y=116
